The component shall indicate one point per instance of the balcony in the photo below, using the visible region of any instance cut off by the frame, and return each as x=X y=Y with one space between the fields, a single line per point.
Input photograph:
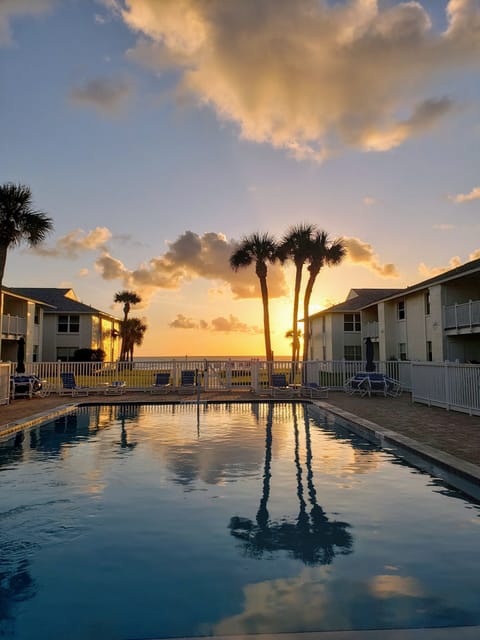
x=13 y=325
x=464 y=318
x=370 y=330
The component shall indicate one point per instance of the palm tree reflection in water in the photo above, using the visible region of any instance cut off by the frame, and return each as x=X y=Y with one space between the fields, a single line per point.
x=312 y=538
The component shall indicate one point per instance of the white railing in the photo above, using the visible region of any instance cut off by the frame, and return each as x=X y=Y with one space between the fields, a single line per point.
x=448 y=385
x=370 y=329
x=13 y=325
x=212 y=374
x=459 y=316
x=4 y=383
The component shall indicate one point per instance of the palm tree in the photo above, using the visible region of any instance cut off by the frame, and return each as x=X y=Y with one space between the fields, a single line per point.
x=323 y=251
x=296 y=245
x=134 y=334
x=128 y=298
x=19 y=221
x=289 y=334
x=260 y=249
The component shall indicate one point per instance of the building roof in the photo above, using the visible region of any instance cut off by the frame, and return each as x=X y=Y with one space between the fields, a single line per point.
x=358 y=299
x=62 y=300
x=16 y=293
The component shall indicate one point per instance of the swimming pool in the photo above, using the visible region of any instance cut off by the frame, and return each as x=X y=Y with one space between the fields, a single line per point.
x=160 y=521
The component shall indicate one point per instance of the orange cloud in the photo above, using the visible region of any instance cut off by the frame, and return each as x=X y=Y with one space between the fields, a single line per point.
x=360 y=252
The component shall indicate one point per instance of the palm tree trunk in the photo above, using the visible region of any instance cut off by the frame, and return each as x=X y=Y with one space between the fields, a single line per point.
x=306 y=320
x=296 y=302
x=266 y=318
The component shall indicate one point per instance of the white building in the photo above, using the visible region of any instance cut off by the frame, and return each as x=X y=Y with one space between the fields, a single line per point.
x=68 y=325
x=435 y=320
x=22 y=316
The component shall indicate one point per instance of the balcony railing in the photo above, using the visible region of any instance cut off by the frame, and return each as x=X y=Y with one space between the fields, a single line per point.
x=370 y=330
x=460 y=316
x=13 y=325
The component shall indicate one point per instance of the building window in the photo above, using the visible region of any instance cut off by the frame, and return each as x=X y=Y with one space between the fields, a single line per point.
x=351 y=322
x=65 y=354
x=401 y=310
x=427 y=303
x=402 y=351
x=324 y=353
x=35 y=353
x=36 y=317
x=68 y=324
x=429 y=351
x=352 y=352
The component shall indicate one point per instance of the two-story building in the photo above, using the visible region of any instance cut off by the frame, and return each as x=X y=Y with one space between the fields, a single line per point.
x=69 y=324
x=435 y=320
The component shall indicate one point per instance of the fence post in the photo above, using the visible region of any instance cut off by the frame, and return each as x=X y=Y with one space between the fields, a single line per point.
x=255 y=365
x=447 y=386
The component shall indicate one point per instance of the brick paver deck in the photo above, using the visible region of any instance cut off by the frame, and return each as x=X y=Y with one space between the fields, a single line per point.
x=455 y=433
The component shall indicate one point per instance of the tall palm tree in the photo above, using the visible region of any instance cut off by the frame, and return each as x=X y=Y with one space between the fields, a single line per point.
x=128 y=298
x=296 y=245
x=134 y=334
x=289 y=334
x=19 y=221
x=323 y=251
x=259 y=249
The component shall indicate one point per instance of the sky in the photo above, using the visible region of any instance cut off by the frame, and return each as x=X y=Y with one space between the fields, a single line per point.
x=158 y=133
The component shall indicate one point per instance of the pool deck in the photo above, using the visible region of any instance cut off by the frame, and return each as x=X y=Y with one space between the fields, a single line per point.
x=450 y=437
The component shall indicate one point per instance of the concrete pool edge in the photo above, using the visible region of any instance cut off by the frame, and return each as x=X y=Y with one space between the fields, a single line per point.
x=36 y=419
x=459 y=473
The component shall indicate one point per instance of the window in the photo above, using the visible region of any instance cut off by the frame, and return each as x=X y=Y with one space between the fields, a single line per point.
x=36 y=317
x=324 y=353
x=402 y=351
x=65 y=354
x=427 y=303
x=352 y=352
x=429 y=351
x=401 y=310
x=35 y=353
x=351 y=322
x=68 y=324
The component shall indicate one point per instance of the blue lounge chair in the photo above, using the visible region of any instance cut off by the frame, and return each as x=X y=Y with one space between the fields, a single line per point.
x=359 y=383
x=279 y=386
x=188 y=381
x=116 y=388
x=162 y=383
x=313 y=390
x=70 y=387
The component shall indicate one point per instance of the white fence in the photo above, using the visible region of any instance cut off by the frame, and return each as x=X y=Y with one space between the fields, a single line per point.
x=4 y=383
x=448 y=385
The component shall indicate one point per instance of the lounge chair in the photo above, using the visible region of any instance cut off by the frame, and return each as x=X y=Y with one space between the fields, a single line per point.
x=116 y=388
x=70 y=387
x=162 y=383
x=188 y=381
x=313 y=390
x=359 y=383
x=279 y=386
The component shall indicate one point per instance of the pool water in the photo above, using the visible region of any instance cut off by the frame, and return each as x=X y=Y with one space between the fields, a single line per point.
x=161 y=521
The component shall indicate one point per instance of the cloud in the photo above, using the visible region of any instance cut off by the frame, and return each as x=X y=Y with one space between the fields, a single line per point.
x=107 y=95
x=83 y=273
x=231 y=324
x=431 y=272
x=369 y=201
x=192 y=256
x=453 y=263
x=76 y=242
x=443 y=227
x=310 y=77
x=360 y=252
x=12 y=9
x=466 y=197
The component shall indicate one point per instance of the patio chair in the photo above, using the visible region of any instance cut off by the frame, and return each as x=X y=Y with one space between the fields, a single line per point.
x=359 y=383
x=116 y=388
x=70 y=387
x=188 y=381
x=313 y=390
x=279 y=386
x=162 y=383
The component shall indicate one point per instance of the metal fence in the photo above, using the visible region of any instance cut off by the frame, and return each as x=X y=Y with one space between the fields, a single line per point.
x=4 y=383
x=448 y=385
